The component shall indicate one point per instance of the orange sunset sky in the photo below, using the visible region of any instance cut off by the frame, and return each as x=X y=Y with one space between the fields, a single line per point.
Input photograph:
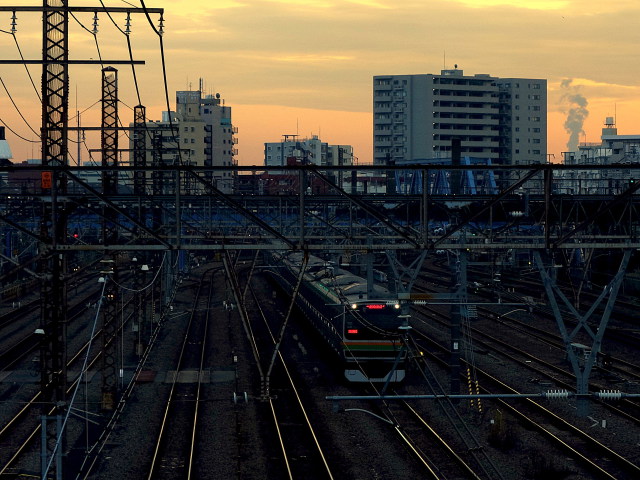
x=306 y=66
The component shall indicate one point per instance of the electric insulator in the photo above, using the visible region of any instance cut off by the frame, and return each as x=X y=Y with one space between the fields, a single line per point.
x=127 y=25
x=14 y=23
x=557 y=394
x=95 y=23
x=609 y=395
x=161 y=25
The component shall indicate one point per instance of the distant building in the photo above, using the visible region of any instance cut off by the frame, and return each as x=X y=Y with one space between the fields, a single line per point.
x=25 y=181
x=203 y=135
x=5 y=154
x=208 y=132
x=307 y=150
x=417 y=116
x=5 y=150
x=288 y=183
x=614 y=150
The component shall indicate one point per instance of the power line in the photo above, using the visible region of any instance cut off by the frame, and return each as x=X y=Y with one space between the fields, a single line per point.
x=93 y=32
x=16 y=133
x=15 y=39
x=16 y=107
x=159 y=32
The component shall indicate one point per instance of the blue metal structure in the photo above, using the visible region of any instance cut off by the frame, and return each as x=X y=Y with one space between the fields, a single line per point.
x=410 y=182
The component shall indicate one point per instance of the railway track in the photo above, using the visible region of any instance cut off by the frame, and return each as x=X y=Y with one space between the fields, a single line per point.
x=22 y=429
x=541 y=369
x=173 y=456
x=575 y=442
x=616 y=366
x=624 y=370
x=301 y=453
x=22 y=347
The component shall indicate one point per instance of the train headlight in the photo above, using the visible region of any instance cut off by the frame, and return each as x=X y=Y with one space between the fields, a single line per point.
x=396 y=306
x=354 y=306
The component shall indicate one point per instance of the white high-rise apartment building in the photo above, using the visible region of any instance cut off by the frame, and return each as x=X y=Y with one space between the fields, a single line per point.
x=415 y=117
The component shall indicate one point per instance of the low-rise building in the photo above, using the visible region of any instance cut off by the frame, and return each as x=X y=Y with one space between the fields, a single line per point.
x=616 y=151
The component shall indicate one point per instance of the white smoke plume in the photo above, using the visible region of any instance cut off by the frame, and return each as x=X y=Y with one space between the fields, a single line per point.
x=576 y=115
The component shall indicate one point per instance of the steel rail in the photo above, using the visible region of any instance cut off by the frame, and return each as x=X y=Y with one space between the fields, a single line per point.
x=199 y=384
x=34 y=402
x=160 y=443
x=297 y=396
x=619 y=459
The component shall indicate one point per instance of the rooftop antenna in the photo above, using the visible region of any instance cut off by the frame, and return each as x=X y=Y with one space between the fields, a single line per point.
x=444 y=59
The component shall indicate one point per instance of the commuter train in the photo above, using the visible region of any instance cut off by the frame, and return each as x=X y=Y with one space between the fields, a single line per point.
x=366 y=332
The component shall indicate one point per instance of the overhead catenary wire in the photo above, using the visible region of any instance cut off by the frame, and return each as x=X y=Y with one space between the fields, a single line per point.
x=160 y=33
x=16 y=106
x=16 y=133
x=15 y=39
x=93 y=32
x=126 y=34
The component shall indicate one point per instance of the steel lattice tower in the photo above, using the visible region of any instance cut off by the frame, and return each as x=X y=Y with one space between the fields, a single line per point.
x=139 y=149
x=109 y=146
x=55 y=115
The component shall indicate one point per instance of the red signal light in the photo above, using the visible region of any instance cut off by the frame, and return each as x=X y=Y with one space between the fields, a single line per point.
x=375 y=306
x=352 y=331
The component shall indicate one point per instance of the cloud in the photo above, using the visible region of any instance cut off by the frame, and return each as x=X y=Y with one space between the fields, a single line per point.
x=314 y=59
x=527 y=4
x=373 y=4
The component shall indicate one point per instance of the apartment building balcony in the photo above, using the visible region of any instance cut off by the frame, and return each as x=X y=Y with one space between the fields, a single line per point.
x=473 y=95
x=461 y=131
x=471 y=122
x=382 y=121
x=382 y=87
x=467 y=144
x=465 y=109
